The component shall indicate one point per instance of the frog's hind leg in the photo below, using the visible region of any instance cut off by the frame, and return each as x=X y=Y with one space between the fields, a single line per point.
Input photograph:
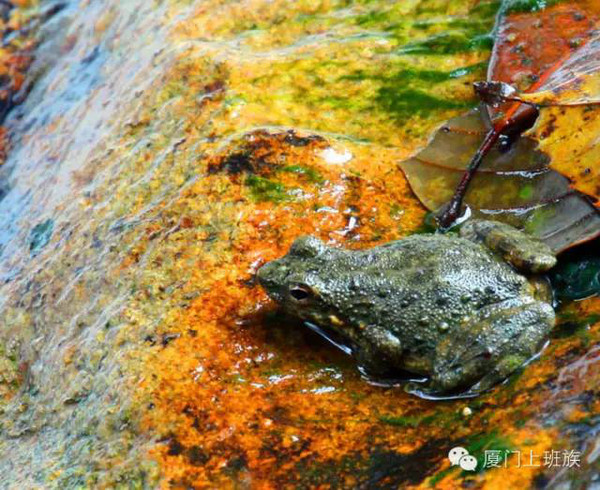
x=524 y=252
x=498 y=341
x=537 y=320
x=501 y=372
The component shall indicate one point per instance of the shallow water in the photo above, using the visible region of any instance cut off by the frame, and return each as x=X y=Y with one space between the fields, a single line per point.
x=152 y=171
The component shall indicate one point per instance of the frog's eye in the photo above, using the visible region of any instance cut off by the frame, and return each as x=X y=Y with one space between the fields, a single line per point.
x=300 y=292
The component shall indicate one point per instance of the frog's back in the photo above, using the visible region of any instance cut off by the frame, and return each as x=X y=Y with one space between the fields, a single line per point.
x=425 y=283
x=439 y=254
x=430 y=263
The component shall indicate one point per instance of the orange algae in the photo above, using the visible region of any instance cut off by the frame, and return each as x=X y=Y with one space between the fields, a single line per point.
x=15 y=58
x=230 y=390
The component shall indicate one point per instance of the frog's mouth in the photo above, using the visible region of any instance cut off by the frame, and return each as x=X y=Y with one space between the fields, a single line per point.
x=395 y=378
x=332 y=337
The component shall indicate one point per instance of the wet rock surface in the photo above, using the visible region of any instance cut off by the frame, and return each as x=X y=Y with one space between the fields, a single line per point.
x=165 y=152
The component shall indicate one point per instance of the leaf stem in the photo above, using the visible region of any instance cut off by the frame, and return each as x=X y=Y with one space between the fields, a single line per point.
x=452 y=212
x=519 y=119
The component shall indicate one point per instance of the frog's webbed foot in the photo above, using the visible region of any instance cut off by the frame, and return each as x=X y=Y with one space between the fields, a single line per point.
x=505 y=368
x=427 y=392
x=501 y=339
x=499 y=373
x=537 y=320
x=524 y=252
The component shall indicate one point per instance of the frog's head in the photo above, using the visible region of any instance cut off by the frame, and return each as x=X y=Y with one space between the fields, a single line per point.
x=305 y=281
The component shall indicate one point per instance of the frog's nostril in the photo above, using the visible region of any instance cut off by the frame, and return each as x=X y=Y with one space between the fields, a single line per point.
x=263 y=274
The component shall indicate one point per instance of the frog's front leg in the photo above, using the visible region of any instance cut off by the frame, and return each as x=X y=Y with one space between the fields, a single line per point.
x=378 y=351
x=524 y=252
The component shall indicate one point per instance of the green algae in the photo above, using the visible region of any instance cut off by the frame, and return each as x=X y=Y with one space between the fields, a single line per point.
x=40 y=236
x=570 y=325
x=414 y=75
x=408 y=91
x=524 y=6
x=448 y=43
x=394 y=61
x=431 y=34
x=382 y=468
x=404 y=104
x=493 y=441
x=577 y=275
x=407 y=421
x=477 y=445
x=311 y=174
x=263 y=189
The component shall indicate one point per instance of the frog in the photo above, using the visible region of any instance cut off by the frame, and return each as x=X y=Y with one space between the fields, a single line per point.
x=464 y=310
